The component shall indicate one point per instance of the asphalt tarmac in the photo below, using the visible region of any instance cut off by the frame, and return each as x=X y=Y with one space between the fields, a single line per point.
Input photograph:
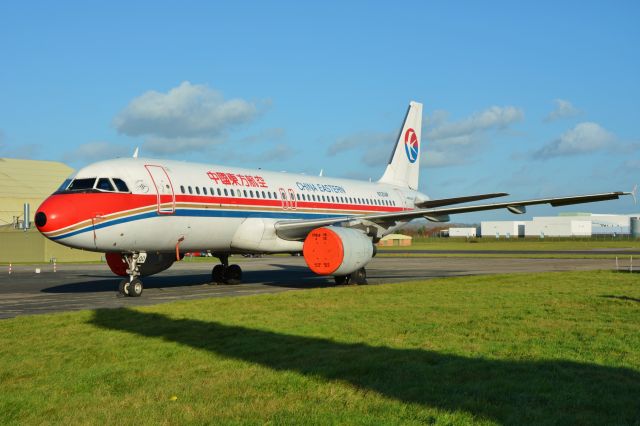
x=75 y=287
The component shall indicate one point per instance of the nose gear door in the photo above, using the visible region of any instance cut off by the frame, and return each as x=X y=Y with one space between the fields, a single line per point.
x=164 y=189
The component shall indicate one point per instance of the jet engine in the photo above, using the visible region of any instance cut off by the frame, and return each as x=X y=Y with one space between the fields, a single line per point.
x=155 y=262
x=337 y=251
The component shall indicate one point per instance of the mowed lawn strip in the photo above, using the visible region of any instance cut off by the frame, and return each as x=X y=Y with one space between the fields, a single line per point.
x=554 y=348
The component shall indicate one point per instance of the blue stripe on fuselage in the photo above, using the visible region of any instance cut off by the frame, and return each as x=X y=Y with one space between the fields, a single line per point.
x=202 y=213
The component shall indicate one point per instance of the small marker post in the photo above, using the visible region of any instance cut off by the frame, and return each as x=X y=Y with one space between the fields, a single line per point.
x=54 y=266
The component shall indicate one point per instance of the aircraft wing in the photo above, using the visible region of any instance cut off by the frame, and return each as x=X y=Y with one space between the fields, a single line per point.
x=458 y=200
x=298 y=229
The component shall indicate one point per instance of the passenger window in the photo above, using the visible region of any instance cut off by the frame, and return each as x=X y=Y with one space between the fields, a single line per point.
x=225 y=192
x=190 y=190
x=251 y=194
x=263 y=195
x=182 y=188
x=219 y=192
x=257 y=194
x=104 y=184
x=233 y=193
x=122 y=187
x=197 y=190
x=245 y=193
x=204 y=190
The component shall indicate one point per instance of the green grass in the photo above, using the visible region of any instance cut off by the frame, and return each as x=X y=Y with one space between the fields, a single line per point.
x=554 y=348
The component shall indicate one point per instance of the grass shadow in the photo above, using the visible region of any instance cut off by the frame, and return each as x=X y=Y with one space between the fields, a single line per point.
x=625 y=298
x=506 y=391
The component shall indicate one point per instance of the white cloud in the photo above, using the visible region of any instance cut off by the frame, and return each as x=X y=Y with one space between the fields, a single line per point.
x=272 y=134
x=435 y=159
x=452 y=143
x=360 y=140
x=96 y=151
x=461 y=132
x=277 y=153
x=564 y=109
x=583 y=138
x=166 y=146
x=187 y=117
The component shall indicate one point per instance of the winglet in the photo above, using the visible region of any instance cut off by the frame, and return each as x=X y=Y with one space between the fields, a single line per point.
x=634 y=194
x=135 y=153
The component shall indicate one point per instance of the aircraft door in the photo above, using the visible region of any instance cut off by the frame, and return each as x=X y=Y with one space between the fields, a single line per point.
x=164 y=189
x=402 y=200
x=293 y=202
x=283 y=199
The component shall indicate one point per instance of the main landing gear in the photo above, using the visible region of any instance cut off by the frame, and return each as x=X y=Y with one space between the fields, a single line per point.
x=225 y=273
x=132 y=286
x=358 y=277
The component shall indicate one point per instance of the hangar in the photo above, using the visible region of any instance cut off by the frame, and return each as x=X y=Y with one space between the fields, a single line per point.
x=31 y=182
x=563 y=225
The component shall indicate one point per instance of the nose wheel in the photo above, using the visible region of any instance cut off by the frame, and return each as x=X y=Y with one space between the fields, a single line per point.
x=132 y=286
x=225 y=273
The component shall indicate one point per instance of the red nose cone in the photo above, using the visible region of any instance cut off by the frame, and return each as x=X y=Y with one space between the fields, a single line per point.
x=51 y=213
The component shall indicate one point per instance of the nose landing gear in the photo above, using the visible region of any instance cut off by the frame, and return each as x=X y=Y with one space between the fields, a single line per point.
x=225 y=273
x=132 y=286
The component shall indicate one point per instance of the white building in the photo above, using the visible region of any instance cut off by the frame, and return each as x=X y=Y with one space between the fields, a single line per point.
x=563 y=225
x=502 y=228
x=463 y=232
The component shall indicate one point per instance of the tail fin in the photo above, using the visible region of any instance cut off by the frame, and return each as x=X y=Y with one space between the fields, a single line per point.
x=404 y=164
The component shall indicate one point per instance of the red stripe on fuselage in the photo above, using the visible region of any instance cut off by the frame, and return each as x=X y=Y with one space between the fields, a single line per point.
x=64 y=210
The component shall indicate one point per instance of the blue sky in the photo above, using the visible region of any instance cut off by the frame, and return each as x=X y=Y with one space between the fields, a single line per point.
x=536 y=99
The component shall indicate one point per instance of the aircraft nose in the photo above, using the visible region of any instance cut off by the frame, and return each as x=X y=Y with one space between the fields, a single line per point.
x=49 y=215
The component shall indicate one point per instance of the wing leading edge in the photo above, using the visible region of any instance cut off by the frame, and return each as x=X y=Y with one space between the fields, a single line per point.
x=298 y=229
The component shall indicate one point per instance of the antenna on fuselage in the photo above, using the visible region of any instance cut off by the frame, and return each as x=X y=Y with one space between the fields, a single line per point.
x=135 y=153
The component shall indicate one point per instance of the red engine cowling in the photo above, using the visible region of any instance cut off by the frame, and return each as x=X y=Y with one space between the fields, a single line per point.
x=336 y=251
x=156 y=262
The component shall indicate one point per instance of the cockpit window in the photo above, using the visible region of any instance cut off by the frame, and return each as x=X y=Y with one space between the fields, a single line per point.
x=122 y=187
x=81 y=184
x=104 y=184
x=64 y=185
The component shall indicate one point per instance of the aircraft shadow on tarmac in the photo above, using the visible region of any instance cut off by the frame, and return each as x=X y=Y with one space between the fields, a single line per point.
x=291 y=277
x=506 y=391
x=287 y=276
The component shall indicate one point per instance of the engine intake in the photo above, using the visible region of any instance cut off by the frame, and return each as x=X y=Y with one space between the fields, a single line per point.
x=337 y=251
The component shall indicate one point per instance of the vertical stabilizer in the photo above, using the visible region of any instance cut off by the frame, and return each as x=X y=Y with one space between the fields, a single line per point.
x=404 y=164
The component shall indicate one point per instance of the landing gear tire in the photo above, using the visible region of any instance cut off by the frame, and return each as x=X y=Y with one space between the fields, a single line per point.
x=135 y=288
x=123 y=287
x=217 y=275
x=341 y=279
x=233 y=274
x=359 y=277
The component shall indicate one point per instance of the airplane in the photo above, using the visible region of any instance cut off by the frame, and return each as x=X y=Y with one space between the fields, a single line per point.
x=144 y=214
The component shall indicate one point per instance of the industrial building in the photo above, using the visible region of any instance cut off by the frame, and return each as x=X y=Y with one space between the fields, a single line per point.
x=564 y=225
x=31 y=182
x=27 y=181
